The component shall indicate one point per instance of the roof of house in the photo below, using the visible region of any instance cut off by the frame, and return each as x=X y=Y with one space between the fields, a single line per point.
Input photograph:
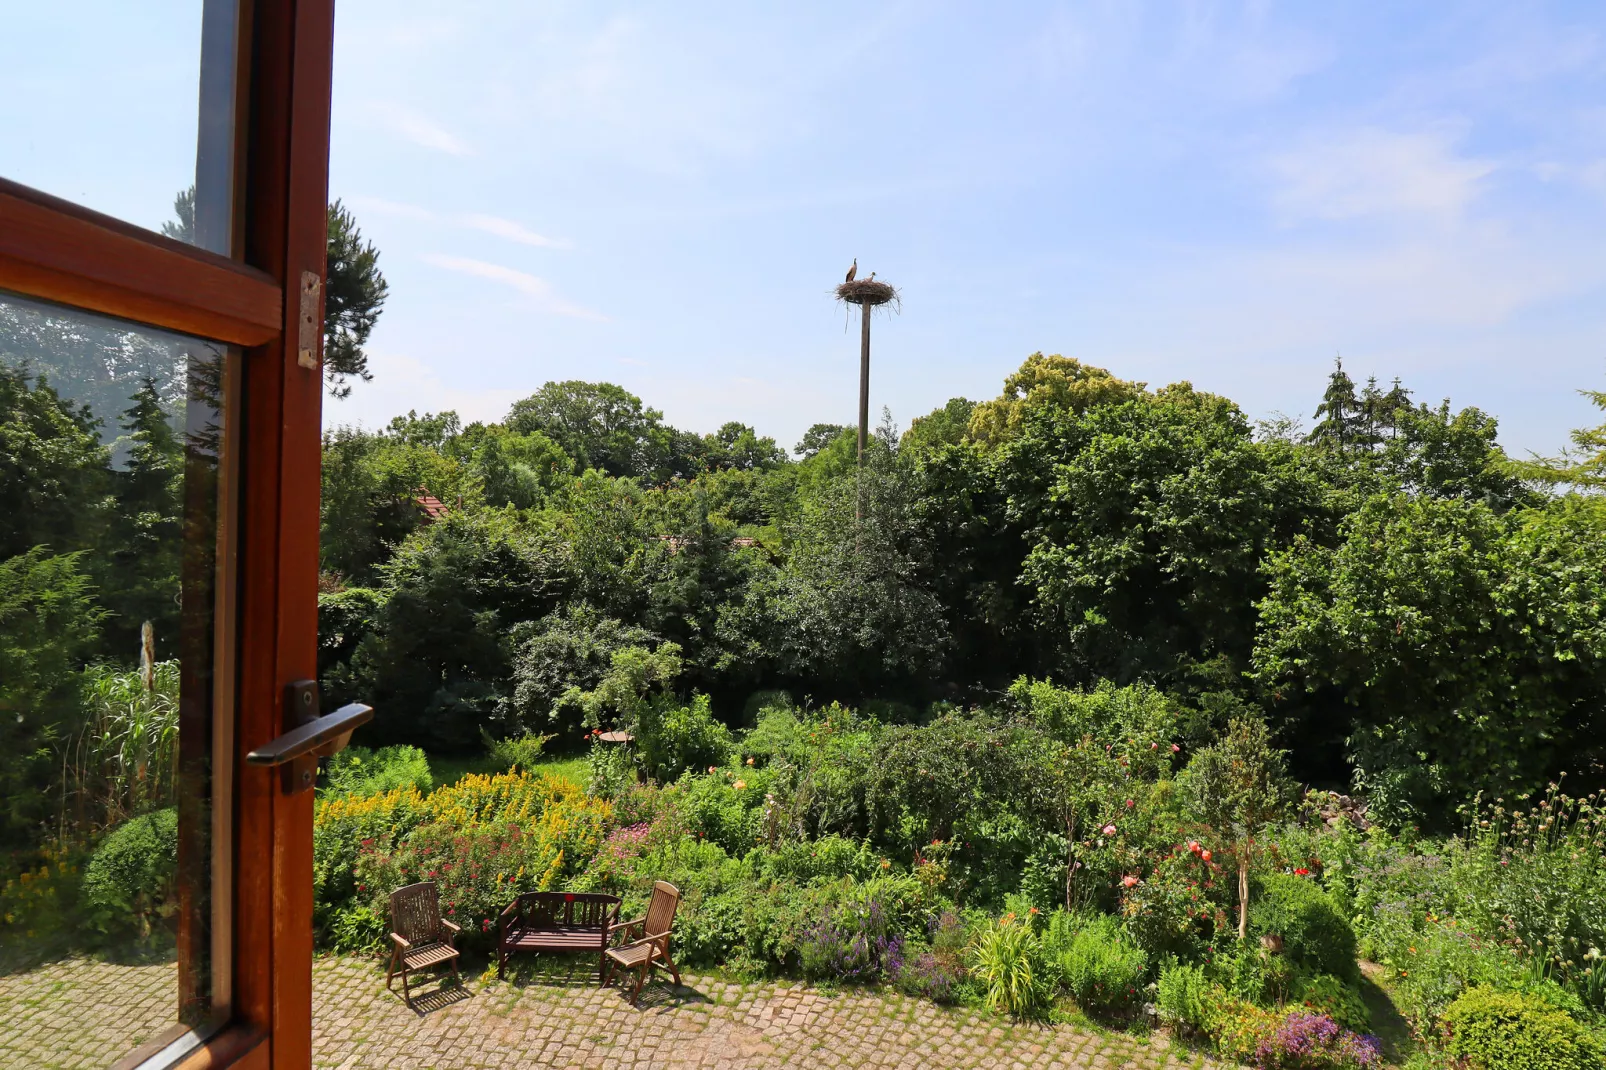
x=432 y=506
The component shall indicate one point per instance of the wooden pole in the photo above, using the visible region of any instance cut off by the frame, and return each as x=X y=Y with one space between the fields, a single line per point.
x=864 y=380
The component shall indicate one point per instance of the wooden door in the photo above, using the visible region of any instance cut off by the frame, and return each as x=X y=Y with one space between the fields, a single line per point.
x=268 y=68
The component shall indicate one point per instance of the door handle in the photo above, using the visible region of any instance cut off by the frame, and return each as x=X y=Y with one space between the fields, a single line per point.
x=296 y=753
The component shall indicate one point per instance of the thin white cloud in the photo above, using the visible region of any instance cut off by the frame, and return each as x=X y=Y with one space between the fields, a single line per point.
x=381 y=206
x=507 y=228
x=424 y=131
x=1371 y=172
x=525 y=283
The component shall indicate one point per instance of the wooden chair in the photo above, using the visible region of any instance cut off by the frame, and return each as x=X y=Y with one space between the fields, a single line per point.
x=419 y=935
x=650 y=949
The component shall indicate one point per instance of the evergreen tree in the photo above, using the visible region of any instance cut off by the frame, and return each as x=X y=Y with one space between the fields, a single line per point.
x=1392 y=404
x=354 y=296
x=1339 y=413
x=52 y=468
x=147 y=526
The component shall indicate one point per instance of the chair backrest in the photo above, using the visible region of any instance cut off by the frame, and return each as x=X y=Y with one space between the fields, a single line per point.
x=415 y=912
x=661 y=910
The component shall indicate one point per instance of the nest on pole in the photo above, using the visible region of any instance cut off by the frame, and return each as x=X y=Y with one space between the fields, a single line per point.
x=868 y=292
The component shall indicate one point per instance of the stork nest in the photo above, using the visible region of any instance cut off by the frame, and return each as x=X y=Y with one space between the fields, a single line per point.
x=867 y=292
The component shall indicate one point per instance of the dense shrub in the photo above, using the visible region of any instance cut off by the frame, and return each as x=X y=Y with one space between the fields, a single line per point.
x=1238 y=1027
x=1508 y=1031
x=360 y=771
x=342 y=827
x=1101 y=966
x=129 y=880
x=482 y=856
x=1315 y=935
x=675 y=738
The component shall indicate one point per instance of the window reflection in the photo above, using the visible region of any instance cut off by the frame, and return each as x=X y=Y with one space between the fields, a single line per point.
x=112 y=448
x=145 y=95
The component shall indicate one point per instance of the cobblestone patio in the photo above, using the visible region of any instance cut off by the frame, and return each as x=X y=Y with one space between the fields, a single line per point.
x=84 y=1014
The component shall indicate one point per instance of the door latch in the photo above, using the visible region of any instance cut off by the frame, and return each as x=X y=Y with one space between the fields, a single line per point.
x=296 y=753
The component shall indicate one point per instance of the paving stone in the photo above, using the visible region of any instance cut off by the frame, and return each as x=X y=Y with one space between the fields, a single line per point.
x=80 y=1013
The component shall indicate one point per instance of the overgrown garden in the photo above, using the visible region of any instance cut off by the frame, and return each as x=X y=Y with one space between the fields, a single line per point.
x=1089 y=698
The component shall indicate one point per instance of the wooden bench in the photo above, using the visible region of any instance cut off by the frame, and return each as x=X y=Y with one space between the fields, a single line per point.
x=556 y=921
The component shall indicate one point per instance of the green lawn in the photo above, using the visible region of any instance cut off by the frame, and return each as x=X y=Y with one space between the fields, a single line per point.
x=450 y=768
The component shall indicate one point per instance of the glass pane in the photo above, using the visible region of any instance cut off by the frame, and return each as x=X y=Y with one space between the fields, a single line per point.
x=112 y=439
x=98 y=99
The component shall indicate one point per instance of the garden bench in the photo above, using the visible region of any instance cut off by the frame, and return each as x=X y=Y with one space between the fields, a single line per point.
x=556 y=921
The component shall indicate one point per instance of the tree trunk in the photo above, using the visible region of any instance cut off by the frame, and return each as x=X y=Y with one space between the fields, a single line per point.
x=1243 y=893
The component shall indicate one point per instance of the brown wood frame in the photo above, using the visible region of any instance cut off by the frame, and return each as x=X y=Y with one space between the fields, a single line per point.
x=57 y=251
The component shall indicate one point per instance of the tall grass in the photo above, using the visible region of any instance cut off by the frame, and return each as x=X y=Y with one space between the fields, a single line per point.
x=123 y=759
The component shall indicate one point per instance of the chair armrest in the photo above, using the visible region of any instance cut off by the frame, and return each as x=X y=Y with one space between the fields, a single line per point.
x=622 y=929
x=511 y=909
x=401 y=941
x=454 y=927
x=653 y=939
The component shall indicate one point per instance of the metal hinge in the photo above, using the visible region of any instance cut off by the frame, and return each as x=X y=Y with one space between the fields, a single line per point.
x=307 y=348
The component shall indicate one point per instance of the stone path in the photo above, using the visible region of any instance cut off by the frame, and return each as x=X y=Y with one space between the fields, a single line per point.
x=83 y=1014
x=80 y=1013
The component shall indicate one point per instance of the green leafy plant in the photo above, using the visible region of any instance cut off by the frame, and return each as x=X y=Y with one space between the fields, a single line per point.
x=1333 y=996
x=1238 y=787
x=360 y=771
x=516 y=753
x=1102 y=967
x=1009 y=961
x=1182 y=994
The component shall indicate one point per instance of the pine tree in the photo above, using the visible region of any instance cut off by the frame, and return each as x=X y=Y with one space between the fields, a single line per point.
x=1339 y=413
x=143 y=560
x=354 y=296
x=1370 y=419
x=1396 y=401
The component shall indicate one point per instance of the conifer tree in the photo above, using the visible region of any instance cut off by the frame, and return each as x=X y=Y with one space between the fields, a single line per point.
x=147 y=527
x=1339 y=412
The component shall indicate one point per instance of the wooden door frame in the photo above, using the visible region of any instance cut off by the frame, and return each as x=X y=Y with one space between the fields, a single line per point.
x=60 y=252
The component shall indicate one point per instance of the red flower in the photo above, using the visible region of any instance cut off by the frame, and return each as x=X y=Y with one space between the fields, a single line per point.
x=1129 y=881
x=1302 y=872
x=568 y=897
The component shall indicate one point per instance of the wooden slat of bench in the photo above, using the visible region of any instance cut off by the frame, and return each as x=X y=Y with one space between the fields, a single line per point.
x=558 y=939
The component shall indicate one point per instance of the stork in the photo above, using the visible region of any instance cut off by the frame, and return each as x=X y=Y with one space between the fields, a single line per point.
x=853 y=271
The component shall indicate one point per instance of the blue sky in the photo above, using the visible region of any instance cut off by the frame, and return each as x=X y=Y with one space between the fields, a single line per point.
x=663 y=195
